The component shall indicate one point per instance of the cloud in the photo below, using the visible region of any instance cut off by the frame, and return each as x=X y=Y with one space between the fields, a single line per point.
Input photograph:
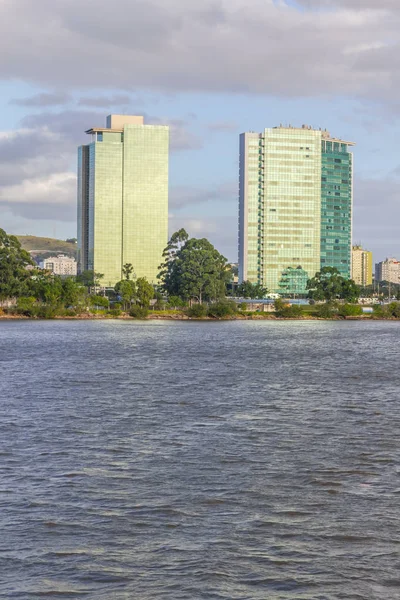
x=37 y=161
x=223 y=127
x=350 y=4
x=183 y=196
x=105 y=101
x=72 y=124
x=48 y=197
x=377 y=214
x=244 y=46
x=42 y=100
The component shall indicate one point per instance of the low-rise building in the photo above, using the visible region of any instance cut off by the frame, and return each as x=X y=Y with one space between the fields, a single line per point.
x=60 y=265
x=388 y=270
x=361 y=266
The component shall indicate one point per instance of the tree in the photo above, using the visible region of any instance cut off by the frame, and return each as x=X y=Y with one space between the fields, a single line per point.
x=73 y=293
x=89 y=278
x=169 y=273
x=127 y=270
x=15 y=265
x=49 y=289
x=329 y=285
x=99 y=301
x=246 y=289
x=126 y=290
x=193 y=269
x=144 y=292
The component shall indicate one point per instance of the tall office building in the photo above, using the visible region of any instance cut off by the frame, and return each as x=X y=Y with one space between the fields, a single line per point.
x=361 y=266
x=123 y=198
x=295 y=206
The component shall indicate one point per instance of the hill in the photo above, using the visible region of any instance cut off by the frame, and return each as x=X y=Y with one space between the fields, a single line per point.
x=42 y=247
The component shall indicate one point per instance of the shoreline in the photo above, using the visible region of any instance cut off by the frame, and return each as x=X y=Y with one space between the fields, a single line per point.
x=150 y=317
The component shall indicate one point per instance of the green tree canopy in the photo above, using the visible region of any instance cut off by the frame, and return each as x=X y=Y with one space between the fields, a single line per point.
x=73 y=293
x=193 y=269
x=144 y=292
x=246 y=289
x=126 y=290
x=89 y=278
x=169 y=273
x=329 y=285
x=15 y=275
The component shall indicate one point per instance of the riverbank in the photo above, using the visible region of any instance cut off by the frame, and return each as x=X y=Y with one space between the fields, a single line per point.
x=183 y=317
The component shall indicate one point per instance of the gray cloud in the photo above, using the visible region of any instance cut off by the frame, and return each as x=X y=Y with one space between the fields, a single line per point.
x=106 y=101
x=72 y=124
x=223 y=127
x=42 y=100
x=377 y=215
x=50 y=197
x=350 y=4
x=37 y=161
x=250 y=46
x=183 y=196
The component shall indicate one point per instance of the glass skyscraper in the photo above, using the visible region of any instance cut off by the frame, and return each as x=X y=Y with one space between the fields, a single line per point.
x=123 y=198
x=295 y=206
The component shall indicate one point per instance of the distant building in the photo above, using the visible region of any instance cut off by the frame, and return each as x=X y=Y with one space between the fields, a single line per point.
x=123 y=198
x=60 y=265
x=295 y=206
x=361 y=266
x=388 y=270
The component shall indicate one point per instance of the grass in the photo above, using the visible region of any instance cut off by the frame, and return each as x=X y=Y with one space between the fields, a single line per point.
x=46 y=246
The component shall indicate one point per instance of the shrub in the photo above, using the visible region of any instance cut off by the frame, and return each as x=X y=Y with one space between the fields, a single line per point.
x=350 y=310
x=197 y=311
x=279 y=305
x=387 y=311
x=27 y=307
x=222 y=309
x=48 y=311
x=138 y=312
x=114 y=312
x=394 y=309
x=242 y=306
x=288 y=312
x=325 y=311
x=101 y=301
x=159 y=305
x=176 y=302
x=117 y=306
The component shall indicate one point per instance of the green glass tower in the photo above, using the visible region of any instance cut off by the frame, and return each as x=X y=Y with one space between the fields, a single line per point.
x=336 y=205
x=123 y=198
x=295 y=206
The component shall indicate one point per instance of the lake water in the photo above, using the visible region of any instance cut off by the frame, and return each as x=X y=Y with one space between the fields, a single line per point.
x=187 y=460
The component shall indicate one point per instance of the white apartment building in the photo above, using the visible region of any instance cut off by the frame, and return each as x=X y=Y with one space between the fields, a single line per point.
x=60 y=265
x=388 y=270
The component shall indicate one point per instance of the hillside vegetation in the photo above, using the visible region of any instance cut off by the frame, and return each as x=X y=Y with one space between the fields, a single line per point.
x=43 y=247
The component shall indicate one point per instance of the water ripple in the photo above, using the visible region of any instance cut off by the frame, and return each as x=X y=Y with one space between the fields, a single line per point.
x=243 y=460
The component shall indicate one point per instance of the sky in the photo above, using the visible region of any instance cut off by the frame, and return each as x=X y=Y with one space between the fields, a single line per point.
x=211 y=69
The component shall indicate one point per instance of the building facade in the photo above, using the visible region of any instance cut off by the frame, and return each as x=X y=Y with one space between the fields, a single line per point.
x=295 y=206
x=123 y=198
x=60 y=265
x=388 y=270
x=361 y=266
